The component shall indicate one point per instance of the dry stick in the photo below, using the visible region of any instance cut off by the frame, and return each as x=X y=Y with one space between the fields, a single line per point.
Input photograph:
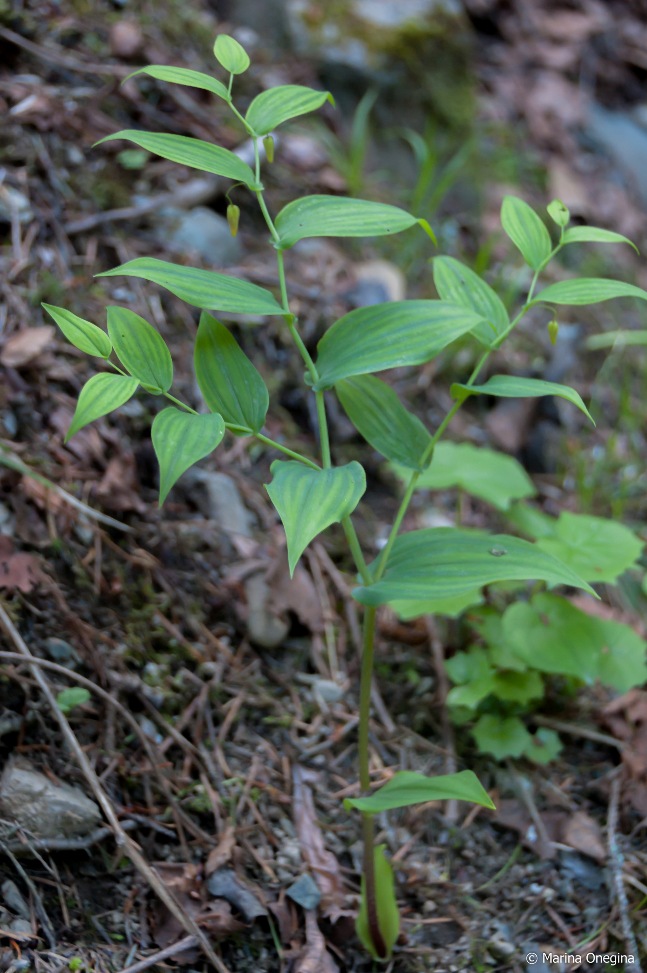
x=187 y=943
x=38 y=902
x=617 y=860
x=121 y=837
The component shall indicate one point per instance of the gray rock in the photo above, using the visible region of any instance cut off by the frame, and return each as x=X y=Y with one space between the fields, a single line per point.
x=43 y=807
x=624 y=137
x=264 y=626
x=217 y=497
x=200 y=231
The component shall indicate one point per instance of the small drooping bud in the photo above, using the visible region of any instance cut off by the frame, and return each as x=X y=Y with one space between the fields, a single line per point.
x=233 y=216
x=553 y=331
x=268 y=145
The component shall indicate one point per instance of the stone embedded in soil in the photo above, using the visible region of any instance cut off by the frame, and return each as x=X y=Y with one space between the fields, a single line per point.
x=44 y=808
x=199 y=231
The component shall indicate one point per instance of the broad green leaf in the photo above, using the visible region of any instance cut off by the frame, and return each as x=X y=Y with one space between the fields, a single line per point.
x=81 y=333
x=99 y=396
x=558 y=212
x=180 y=439
x=275 y=106
x=593 y=234
x=229 y=382
x=451 y=606
x=616 y=339
x=502 y=737
x=518 y=687
x=543 y=747
x=310 y=500
x=467 y=667
x=388 y=915
x=471 y=693
x=596 y=548
x=190 y=152
x=623 y=656
x=141 y=349
x=201 y=288
x=185 y=76
x=587 y=290
x=513 y=387
x=340 y=216
x=552 y=635
x=441 y=562
x=406 y=788
x=526 y=230
x=230 y=54
x=371 y=339
x=377 y=413
x=457 y=283
x=530 y=521
x=494 y=477
x=69 y=699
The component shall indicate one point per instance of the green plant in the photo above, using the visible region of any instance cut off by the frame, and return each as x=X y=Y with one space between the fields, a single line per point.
x=431 y=570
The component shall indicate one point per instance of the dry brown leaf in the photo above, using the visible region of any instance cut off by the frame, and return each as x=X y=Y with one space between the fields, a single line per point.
x=118 y=488
x=19 y=571
x=315 y=957
x=25 y=345
x=221 y=854
x=322 y=863
x=584 y=834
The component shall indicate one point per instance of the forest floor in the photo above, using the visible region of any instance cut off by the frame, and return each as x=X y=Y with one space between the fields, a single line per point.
x=219 y=725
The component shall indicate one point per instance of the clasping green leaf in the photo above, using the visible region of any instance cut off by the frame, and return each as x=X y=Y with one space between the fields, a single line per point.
x=99 y=396
x=84 y=335
x=180 y=439
x=388 y=916
x=526 y=231
x=229 y=382
x=310 y=500
x=141 y=349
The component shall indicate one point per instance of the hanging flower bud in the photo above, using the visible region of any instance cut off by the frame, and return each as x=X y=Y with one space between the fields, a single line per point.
x=233 y=216
x=553 y=331
x=268 y=145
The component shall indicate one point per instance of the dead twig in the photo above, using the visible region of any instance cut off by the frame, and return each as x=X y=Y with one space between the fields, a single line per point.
x=438 y=655
x=189 y=942
x=121 y=837
x=617 y=860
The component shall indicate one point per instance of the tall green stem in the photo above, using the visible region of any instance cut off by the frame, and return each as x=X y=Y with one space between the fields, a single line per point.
x=368 y=828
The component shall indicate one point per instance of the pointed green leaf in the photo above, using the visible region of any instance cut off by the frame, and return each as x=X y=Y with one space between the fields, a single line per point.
x=494 y=477
x=99 y=396
x=593 y=234
x=596 y=548
x=230 y=54
x=310 y=500
x=513 y=387
x=559 y=212
x=69 y=699
x=502 y=737
x=587 y=290
x=190 y=152
x=81 y=333
x=616 y=339
x=379 y=416
x=452 y=606
x=180 y=439
x=201 y=288
x=381 y=336
x=340 y=216
x=526 y=230
x=457 y=283
x=388 y=915
x=141 y=349
x=229 y=382
x=185 y=76
x=272 y=108
x=406 y=788
x=441 y=562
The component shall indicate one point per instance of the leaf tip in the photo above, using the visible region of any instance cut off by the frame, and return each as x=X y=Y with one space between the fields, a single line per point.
x=428 y=230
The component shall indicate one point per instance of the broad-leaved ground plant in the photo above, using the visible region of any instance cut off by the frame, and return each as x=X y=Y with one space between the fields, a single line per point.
x=438 y=570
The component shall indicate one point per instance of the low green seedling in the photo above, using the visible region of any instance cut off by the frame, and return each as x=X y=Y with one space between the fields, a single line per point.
x=429 y=570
